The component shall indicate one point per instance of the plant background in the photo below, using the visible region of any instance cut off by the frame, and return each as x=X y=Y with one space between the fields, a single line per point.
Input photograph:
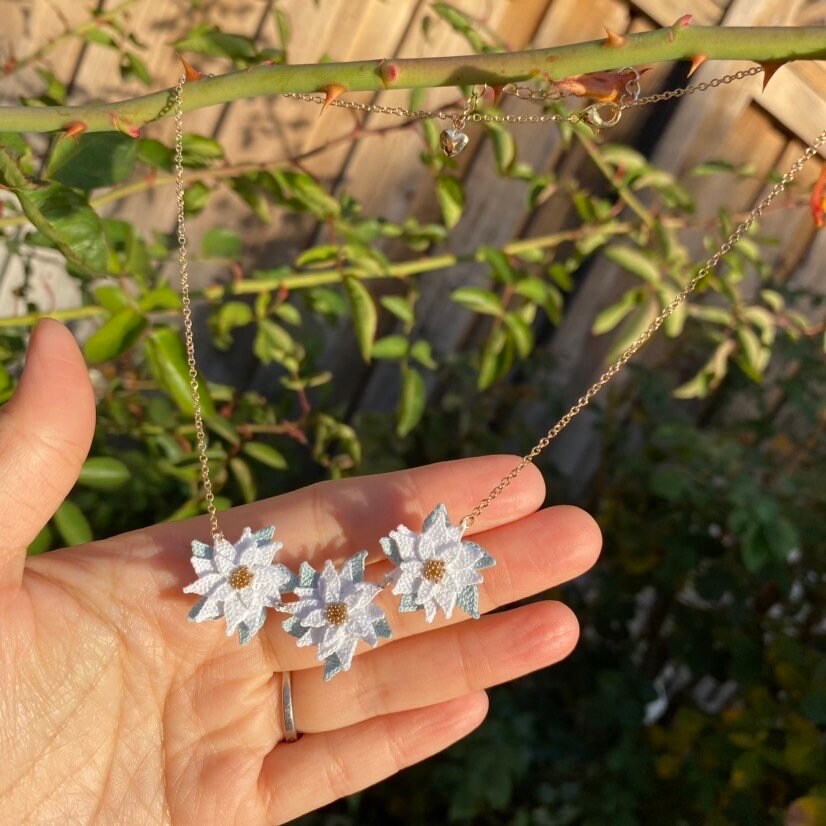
x=392 y=308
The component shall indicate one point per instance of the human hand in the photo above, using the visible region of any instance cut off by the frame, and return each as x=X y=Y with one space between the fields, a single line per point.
x=115 y=709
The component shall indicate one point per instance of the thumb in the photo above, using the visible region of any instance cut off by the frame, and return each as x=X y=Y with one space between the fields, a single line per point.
x=46 y=429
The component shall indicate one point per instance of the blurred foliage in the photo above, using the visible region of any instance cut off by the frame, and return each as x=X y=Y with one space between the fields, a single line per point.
x=699 y=687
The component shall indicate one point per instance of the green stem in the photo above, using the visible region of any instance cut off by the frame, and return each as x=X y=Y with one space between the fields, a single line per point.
x=761 y=45
x=317 y=278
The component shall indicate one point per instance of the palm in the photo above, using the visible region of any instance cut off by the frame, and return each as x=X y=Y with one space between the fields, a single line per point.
x=115 y=709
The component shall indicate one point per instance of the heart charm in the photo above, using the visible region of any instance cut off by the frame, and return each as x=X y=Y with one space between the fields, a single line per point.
x=453 y=142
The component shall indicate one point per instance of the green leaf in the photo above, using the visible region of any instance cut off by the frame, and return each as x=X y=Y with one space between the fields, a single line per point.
x=266 y=454
x=92 y=160
x=282 y=23
x=504 y=148
x=451 y=197
x=212 y=41
x=220 y=242
x=71 y=524
x=288 y=313
x=200 y=150
x=321 y=255
x=391 y=347
x=168 y=364
x=274 y=343
x=244 y=477
x=497 y=359
x=160 y=298
x=224 y=428
x=611 y=316
x=365 y=316
x=624 y=158
x=42 y=542
x=65 y=220
x=412 y=401
x=520 y=333
x=196 y=197
x=478 y=300
x=155 y=154
x=635 y=261
x=637 y=322
x=421 y=352
x=399 y=307
x=253 y=196
x=103 y=473
x=499 y=265
x=111 y=298
x=96 y=35
x=301 y=192
x=132 y=66
x=115 y=336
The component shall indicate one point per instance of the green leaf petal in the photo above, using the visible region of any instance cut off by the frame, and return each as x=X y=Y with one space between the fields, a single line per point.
x=365 y=316
x=220 y=242
x=504 y=148
x=422 y=353
x=391 y=347
x=399 y=307
x=266 y=454
x=635 y=261
x=92 y=160
x=210 y=40
x=244 y=477
x=71 y=524
x=103 y=473
x=168 y=364
x=613 y=315
x=451 y=198
x=412 y=401
x=478 y=300
x=114 y=337
x=520 y=333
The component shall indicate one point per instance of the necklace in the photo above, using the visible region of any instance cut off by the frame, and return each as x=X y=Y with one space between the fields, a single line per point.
x=434 y=569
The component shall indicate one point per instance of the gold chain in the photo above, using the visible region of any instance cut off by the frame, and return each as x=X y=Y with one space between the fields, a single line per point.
x=649 y=331
x=183 y=266
x=630 y=99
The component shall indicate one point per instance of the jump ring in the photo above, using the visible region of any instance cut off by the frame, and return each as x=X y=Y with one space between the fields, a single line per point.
x=287 y=713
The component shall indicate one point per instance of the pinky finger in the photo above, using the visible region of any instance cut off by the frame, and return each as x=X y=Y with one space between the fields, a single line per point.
x=319 y=768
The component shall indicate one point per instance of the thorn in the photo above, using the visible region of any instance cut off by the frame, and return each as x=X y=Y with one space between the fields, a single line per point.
x=497 y=93
x=769 y=70
x=696 y=62
x=192 y=74
x=818 y=201
x=613 y=40
x=10 y=65
x=388 y=72
x=331 y=92
x=678 y=24
x=73 y=129
x=124 y=125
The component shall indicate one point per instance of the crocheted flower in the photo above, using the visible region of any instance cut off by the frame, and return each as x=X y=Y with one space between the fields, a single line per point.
x=239 y=582
x=436 y=568
x=334 y=611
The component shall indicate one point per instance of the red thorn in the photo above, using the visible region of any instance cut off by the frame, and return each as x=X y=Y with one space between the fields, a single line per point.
x=818 y=201
x=73 y=129
x=10 y=65
x=331 y=92
x=192 y=74
x=613 y=40
x=388 y=72
x=769 y=70
x=124 y=125
x=696 y=62
x=678 y=24
x=497 y=93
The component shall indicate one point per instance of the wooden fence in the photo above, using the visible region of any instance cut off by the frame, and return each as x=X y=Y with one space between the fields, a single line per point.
x=737 y=122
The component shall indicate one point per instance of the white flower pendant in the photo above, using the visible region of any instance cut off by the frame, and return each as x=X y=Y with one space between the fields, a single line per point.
x=239 y=582
x=334 y=611
x=436 y=568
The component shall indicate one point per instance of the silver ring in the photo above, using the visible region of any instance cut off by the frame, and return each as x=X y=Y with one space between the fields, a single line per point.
x=287 y=714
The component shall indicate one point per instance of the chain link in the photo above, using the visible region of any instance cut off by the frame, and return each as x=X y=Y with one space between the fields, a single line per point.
x=183 y=266
x=649 y=331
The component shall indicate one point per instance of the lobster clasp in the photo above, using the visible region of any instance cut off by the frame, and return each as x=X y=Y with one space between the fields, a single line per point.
x=596 y=119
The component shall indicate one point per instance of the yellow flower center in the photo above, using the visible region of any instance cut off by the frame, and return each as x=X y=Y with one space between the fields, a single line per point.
x=434 y=570
x=336 y=613
x=241 y=578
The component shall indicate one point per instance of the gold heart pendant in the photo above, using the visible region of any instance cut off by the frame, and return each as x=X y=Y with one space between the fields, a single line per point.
x=453 y=142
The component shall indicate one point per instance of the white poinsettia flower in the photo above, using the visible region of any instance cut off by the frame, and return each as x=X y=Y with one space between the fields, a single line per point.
x=239 y=582
x=334 y=611
x=436 y=568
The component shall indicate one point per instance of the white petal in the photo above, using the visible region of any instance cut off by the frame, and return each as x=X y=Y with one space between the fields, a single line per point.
x=215 y=600
x=234 y=611
x=225 y=559
x=269 y=578
x=362 y=627
x=204 y=584
x=405 y=541
x=313 y=619
x=329 y=584
x=203 y=566
x=333 y=636
x=430 y=610
x=465 y=576
x=346 y=651
x=446 y=597
x=361 y=595
x=425 y=591
x=407 y=583
x=255 y=622
x=307 y=639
